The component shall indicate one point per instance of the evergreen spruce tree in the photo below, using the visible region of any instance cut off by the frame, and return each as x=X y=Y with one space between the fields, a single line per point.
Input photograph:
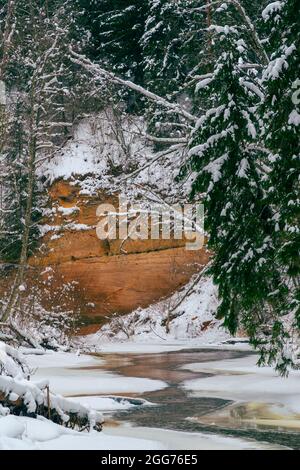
x=281 y=117
x=115 y=30
x=168 y=45
x=228 y=172
x=163 y=46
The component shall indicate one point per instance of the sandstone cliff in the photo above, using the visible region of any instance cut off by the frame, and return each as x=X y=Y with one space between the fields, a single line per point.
x=107 y=276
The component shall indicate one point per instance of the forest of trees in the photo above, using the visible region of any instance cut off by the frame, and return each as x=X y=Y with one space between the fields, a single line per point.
x=220 y=78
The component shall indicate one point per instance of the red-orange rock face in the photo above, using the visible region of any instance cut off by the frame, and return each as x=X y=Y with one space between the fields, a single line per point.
x=110 y=276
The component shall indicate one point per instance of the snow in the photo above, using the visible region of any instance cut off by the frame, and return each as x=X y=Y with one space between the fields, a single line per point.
x=203 y=84
x=66 y=211
x=77 y=158
x=91 y=382
x=252 y=87
x=270 y=9
x=243 y=168
x=94 y=148
x=105 y=404
x=192 y=441
x=10 y=361
x=33 y=394
x=215 y=169
x=102 y=442
x=66 y=360
x=16 y=384
x=141 y=347
x=160 y=346
x=55 y=237
x=222 y=7
x=88 y=160
x=40 y=434
x=276 y=66
x=294 y=118
x=212 y=140
x=242 y=380
x=79 y=227
x=193 y=322
x=33 y=429
x=72 y=227
x=82 y=376
x=10 y=426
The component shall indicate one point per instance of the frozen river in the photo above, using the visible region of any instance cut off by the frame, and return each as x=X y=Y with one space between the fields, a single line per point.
x=188 y=399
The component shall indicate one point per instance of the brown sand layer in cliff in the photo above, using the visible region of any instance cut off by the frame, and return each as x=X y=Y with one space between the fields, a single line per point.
x=107 y=276
x=123 y=283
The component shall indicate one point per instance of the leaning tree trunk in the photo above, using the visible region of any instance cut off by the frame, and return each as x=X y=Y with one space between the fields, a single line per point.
x=19 y=279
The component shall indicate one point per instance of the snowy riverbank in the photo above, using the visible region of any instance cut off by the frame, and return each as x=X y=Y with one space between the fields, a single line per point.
x=90 y=382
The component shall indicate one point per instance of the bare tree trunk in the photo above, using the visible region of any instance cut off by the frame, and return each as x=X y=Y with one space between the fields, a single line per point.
x=19 y=279
x=7 y=35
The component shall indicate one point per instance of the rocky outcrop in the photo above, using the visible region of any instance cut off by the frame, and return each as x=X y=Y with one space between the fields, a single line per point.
x=107 y=276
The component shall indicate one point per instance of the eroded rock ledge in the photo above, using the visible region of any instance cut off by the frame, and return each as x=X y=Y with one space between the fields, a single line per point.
x=107 y=279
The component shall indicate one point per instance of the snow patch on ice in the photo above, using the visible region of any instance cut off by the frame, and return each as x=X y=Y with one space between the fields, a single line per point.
x=241 y=379
x=41 y=434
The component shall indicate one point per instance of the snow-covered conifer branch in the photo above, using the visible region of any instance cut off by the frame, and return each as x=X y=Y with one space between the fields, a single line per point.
x=99 y=72
x=247 y=20
x=7 y=35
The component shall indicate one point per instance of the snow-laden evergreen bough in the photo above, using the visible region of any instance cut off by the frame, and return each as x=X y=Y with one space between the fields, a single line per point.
x=23 y=397
x=281 y=136
x=228 y=169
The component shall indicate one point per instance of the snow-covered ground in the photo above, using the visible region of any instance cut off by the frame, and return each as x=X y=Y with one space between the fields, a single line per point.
x=40 y=434
x=191 y=441
x=102 y=148
x=192 y=323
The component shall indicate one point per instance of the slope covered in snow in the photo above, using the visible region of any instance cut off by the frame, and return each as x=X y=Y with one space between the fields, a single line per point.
x=112 y=153
x=186 y=315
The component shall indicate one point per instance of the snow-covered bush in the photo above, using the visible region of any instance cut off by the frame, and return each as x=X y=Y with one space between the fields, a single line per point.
x=22 y=397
